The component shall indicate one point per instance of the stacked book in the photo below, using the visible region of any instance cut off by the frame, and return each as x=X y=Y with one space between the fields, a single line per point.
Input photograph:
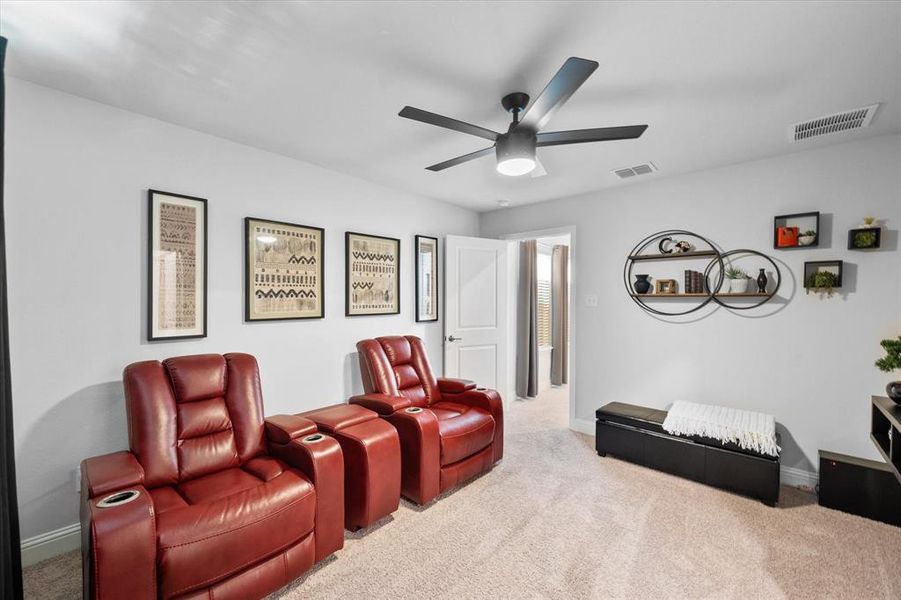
x=694 y=282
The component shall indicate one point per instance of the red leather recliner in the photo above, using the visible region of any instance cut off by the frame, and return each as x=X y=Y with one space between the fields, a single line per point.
x=450 y=431
x=227 y=506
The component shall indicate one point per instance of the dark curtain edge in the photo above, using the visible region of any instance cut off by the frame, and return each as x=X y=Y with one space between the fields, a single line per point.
x=10 y=544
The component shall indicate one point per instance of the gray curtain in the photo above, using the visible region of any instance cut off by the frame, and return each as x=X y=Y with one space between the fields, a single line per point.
x=560 y=315
x=527 y=321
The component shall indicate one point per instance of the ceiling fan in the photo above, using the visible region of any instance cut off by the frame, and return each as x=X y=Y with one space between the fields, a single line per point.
x=515 y=150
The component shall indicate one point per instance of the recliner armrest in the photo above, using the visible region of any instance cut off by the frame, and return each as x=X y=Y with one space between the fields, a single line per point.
x=451 y=385
x=381 y=403
x=490 y=401
x=322 y=461
x=118 y=544
x=284 y=428
x=103 y=474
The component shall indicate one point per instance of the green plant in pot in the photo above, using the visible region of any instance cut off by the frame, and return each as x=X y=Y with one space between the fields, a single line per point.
x=864 y=239
x=891 y=362
x=738 y=281
x=823 y=282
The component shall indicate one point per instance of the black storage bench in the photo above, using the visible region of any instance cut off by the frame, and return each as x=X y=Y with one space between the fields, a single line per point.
x=636 y=434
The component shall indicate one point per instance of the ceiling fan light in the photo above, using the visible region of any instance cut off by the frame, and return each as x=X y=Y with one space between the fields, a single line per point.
x=515 y=166
x=515 y=153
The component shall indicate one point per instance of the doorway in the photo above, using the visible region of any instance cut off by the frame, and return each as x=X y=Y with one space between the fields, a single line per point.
x=554 y=319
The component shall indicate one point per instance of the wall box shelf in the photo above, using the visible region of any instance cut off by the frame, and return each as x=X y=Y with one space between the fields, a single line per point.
x=811 y=268
x=809 y=221
x=865 y=238
x=885 y=431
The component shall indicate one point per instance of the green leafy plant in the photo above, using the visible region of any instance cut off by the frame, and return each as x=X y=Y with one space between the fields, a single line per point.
x=864 y=239
x=822 y=281
x=809 y=233
x=892 y=358
x=734 y=273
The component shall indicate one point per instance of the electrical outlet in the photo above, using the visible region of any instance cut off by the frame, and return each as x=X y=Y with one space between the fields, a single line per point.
x=591 y=300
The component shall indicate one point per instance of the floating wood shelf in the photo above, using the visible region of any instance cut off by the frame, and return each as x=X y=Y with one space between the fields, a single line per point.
x=704 y=295
x=673 y=256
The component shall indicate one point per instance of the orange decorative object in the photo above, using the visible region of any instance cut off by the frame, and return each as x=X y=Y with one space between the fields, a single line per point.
x=786 y=236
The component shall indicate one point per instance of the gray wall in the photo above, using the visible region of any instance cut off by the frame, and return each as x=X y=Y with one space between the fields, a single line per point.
x=809 y=361
x=77 y=174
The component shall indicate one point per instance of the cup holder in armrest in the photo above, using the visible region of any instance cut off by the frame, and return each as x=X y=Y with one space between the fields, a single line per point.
x=316 y=437
x=118 y=499
x=413 y=410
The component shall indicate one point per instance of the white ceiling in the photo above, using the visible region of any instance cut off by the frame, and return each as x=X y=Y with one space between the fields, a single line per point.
x=717 y=83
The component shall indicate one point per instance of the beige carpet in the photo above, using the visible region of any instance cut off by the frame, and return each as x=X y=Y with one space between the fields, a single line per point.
x=553 y=520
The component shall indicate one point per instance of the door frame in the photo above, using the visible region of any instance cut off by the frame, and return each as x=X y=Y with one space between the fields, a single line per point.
x=573 y=330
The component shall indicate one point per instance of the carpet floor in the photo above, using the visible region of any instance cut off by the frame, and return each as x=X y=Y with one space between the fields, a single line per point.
x=553 y=520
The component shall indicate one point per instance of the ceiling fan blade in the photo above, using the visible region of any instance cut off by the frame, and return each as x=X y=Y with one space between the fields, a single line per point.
x=461 y=159
x=539 y=170
x=581 y=136
x=571 y=75
x=425 y=116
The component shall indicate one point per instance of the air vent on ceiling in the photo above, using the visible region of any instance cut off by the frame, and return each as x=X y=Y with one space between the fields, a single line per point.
x=836 y=123
x=644 y=169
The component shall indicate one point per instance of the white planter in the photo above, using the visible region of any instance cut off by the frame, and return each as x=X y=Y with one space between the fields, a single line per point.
x=806 y=240
x=738 y=286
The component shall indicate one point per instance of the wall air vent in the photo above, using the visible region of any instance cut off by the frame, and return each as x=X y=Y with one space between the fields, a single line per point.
x=644 y=169
x=848 y=120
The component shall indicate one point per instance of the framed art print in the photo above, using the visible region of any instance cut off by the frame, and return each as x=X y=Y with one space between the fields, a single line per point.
x=283 y=271
x=177 y=269
x=426 y=278
x=372 y=268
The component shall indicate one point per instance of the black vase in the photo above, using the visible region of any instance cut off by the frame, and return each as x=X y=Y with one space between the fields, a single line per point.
x=642 y=285
x=761 y=282
x=893 y=389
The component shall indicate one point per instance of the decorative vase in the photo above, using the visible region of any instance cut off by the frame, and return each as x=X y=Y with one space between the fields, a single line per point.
x=642 y=285
x=761 y=282
x=738 y=286
x=893 y=389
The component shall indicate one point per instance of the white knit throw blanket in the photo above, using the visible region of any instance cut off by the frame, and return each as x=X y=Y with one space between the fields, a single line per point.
x=750 y=430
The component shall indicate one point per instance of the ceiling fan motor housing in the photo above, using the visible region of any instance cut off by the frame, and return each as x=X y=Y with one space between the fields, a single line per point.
x=518 y=143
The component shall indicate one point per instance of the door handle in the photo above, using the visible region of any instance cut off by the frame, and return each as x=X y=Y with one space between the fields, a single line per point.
x=451 y=338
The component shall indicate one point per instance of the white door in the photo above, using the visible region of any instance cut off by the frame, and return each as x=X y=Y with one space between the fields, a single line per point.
x=475 y=314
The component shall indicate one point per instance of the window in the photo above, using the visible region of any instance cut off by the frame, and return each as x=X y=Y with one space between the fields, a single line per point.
x=544 y=299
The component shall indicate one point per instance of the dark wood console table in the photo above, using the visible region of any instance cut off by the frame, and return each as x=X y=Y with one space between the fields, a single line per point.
x=885 y=431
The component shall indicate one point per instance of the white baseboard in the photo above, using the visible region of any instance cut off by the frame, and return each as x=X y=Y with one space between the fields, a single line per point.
x=582 y=426
x=50 y=544
x=799 y=478
x=790 y=476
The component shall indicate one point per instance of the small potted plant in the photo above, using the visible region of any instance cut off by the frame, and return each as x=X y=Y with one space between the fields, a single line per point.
x=865 y=238
x=823 y=282
x=738 y=281
x=891 y=362
x=807 y=238
x=868 y=222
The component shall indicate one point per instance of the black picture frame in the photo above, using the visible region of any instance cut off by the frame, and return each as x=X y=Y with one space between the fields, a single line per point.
x=788 y=220
x=152 y=290
x=420 y=318
x=249 y=315
x=348 y=267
